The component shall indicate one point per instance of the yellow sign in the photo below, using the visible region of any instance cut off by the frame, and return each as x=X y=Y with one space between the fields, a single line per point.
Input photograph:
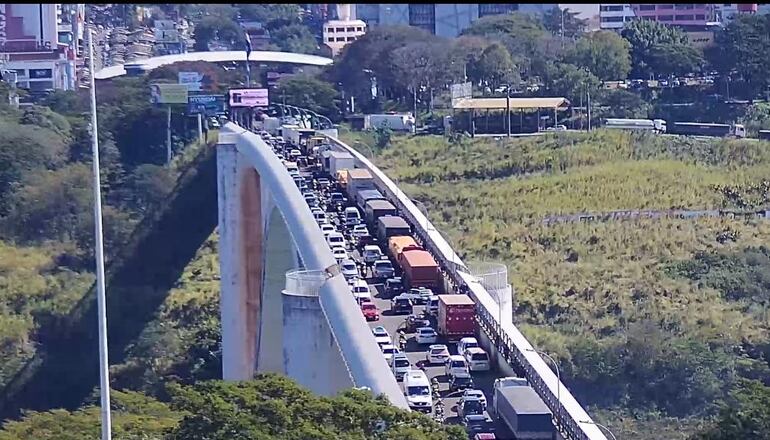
x=168 y=93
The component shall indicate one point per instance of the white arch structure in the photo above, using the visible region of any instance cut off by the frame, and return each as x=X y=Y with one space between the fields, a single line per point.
x=215 y=57
x=265 y=230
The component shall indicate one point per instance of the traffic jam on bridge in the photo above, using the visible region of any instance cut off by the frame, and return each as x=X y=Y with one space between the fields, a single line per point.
x=426 y=332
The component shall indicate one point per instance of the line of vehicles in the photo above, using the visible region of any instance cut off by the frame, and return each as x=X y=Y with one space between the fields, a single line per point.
x=683 y=128
x=385 y=265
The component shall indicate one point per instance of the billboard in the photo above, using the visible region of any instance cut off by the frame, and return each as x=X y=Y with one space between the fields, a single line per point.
x=248 y=98
x=192 y=80
x=209 y=105
x=168 y=93
x=460 y=91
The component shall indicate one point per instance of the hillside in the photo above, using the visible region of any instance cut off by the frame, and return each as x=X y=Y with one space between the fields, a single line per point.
x=658 y=318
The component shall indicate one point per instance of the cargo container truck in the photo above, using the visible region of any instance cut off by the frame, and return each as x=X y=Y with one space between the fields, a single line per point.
x=516 y=404
x=391 y=225
x=359 y=179
x=705 y=129
x=374 y=209
x=456 y=317
x=419 y=269
x=400 y=243
x=365 y=195
x=398 y=122
x=335 y=161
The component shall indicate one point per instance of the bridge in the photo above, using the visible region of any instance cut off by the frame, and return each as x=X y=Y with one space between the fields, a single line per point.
x=259 y=56
x=283 y=295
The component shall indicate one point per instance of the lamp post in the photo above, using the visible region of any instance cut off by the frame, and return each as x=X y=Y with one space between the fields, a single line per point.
x=558 y=379
x=371 y=151
x=104 y=372
x=600 y=426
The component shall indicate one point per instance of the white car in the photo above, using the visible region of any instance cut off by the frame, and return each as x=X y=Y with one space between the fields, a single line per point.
x=335 y=239
x=349 y=269
x=417 y=391
x=359 y=231
x=389 y=351
x=371 y=253
x=455 y=364
x=320 y=217
x=426 y=335
x=477 y=359
x=400 y=365
x=381 y=336
x=327 y=228
x=557 y=128
x=464 y=343
x=361 y=291
x=473 y=394
x=437 y=354
x=340 y=253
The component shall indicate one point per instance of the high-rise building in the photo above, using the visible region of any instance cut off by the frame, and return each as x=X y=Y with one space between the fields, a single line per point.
x=30 y=44
x=446 y=20
x=615 y=15
x=343 y=31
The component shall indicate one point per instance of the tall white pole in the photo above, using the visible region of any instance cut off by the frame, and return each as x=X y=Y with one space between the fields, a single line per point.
x=168 y=136
x=104 y=372
x=200 y=128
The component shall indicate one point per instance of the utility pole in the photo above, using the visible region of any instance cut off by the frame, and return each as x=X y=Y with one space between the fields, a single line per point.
x=508 y=108
x=168 y=135
x=104 y=371
x=562 y=27
x=588 y=98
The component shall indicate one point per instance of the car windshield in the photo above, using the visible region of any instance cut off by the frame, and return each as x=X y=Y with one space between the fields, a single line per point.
x=426 y=331
x=389 y=350
x=380 y=331
x=462 y=380
x=382 y=265
x=401 y=363
x=472 y=407
x=369 y=306
x=418 y=391
x=349 y=266
x=437 y=351
x=458 y=364
x=479 y=357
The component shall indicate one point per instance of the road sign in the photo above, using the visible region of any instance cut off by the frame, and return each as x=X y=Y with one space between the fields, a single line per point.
x=192 y=80
x=168 y=93
x=248 y=98
x=460 y=91
x=208 y=105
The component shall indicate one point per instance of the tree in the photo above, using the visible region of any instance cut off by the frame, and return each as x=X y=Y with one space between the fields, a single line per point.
x=310 y=93
x=294 y=38
x=217 y=27
x=603 y=53
x=469 y=50
x=644 y=36
x=273 y=407
x=270 y=15
x=675 y=59
x=741 y=50
x=623 y=104
x=572 y=25
x=45 y=118
x=495 y=67
x=424 y=65
x=570 y=81
x=745 y=416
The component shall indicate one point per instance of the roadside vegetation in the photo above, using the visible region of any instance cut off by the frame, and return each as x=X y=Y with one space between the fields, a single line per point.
x=655 y=321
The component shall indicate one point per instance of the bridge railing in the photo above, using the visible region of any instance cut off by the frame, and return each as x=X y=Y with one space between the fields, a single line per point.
x=573 y=421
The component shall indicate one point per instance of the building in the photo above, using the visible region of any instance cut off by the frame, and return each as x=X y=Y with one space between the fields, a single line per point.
x=339 y=33
x=615 y=16
x=585 y=11
x=679 y=14
x=446 y=20
x=726 y=12
x=32 y=45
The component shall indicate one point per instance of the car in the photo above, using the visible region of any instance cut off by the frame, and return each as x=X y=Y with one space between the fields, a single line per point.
x=320 y=217
x=349 y=269
x=361 y=291
x=327 y=228
x=370 y=311
x=294 y=154
x=477 y=359
x=433 y=305
x=311 y=200
x=336 y=198
x=415 y=321
x=389 y=350
x=474 y=394
x=400 y=365
x=455 y=364
x=365 y=240
x=340 y=253
x=472 y=413
x=466 y=342
x=335 y=239
x=393 y=286
x=383 y=269
x=401 y=305
x=460 y=381
x=359 y=230
x=419 y=295
x=352 y=216
x=371 y=253
x=426 y=335
x=381 y=336
x=437 y=354
x=323 y=182
x=417 y=391
x=558 y=127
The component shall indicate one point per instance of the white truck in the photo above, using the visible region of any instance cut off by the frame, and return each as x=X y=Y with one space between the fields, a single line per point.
x=335 y=161
x=521 y=409
x=657 y=125
x=397 y=122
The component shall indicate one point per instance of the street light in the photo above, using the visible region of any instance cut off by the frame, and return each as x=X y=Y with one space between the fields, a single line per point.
x=371 y=151
x=558 y=383
x=600 y=426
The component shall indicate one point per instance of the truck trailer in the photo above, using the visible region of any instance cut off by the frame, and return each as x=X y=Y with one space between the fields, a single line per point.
x=706 y=129
x=400 y=243
x=522 y=410
x=657 y=125
x=397 y=122
x=374 y=209
x=391 y=225
x=365 y=195
x=456 y=316
x=335 y=161
x=764 y=134
x=419 y=269
x=359 y=180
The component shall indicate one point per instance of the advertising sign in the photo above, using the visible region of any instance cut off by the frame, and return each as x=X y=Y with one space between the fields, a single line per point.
x=168 y=93
x=460 y=91
x=248 y=98
x=209 y=105
x=192 y=80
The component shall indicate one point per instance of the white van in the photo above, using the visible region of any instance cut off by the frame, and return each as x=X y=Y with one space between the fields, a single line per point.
x=352 y=216
x=477 y=359
x=361 y=291
x=417 y=391
x=292 y=167
x=335 y=239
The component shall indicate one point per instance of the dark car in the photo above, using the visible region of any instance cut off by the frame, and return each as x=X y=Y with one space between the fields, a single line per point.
x=337 y=198
x=401 y=305
x=365 y=239
x=459 y=382
x=393 y=287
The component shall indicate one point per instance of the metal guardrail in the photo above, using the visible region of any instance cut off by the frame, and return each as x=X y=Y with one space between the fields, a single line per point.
x=573 y=421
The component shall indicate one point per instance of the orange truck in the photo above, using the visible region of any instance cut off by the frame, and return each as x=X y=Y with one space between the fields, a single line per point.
x=420 y=269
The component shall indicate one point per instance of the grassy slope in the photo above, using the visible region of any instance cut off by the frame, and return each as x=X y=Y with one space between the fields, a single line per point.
x=618 y=277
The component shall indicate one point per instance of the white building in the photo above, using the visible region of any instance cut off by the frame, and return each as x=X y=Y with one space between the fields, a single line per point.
x=615 y=16
x=339 y=33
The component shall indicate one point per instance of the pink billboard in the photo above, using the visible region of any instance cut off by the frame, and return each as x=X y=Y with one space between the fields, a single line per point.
x=248 y=98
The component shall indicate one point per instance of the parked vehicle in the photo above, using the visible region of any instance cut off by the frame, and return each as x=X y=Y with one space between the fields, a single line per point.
x=474 y=394
x=336 y=161
x=657 y=125
x=465 y=343
x=473 y=414
x=418 y=296
x=516 y=404
x=352 y=216
x=383 y=270
x=389 y=351
x=381 y=336
x=461 y=380
x=357 y=181
x=420 y=269
x=400 y=243
x=395 y=122
x=454 y=364
x=433 y=305
x=365 y=195
x=349 y=269
x=361 y=291
x=359 y=231
x=401 y=305
x=705 y=129
x=456 y=316
x=374 y=209
x=335 y=239
x=340 y=253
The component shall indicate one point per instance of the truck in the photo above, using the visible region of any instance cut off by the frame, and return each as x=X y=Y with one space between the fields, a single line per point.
x=374 y=209
x=334 y=161
x=657 y=125
x=396 y=122
x=358 y=180
x=400 y=243
x=391 y=225
x=365 y=195
x=419 y=269
x=764 y=134
x=706 y=129
x=456 y=316
x=517 y=405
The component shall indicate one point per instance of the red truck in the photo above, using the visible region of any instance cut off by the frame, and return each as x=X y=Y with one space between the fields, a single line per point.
x=420 y=269
x=456 y=316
